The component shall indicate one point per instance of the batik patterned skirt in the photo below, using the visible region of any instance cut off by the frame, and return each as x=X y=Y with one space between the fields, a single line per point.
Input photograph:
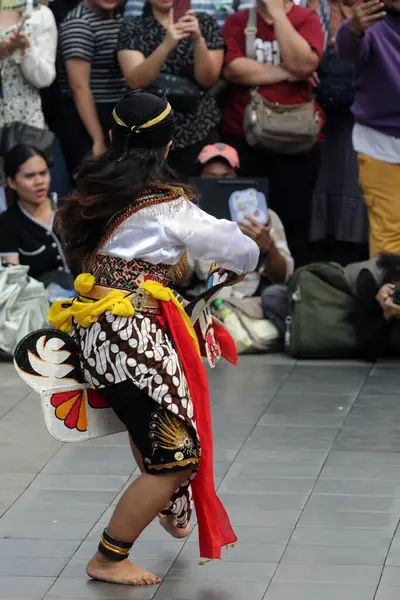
x=138 y=349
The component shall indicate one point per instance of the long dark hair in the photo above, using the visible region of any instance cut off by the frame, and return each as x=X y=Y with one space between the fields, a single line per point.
x=104 y=186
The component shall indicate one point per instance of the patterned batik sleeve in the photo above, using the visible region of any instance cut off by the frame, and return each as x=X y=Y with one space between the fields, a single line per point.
x=130 y=35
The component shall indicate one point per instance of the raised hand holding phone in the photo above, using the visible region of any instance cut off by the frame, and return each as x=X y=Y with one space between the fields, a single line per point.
x=190 y=25
x=173 y=34
x=366 y=14
x=21 y=41
x=15 y=41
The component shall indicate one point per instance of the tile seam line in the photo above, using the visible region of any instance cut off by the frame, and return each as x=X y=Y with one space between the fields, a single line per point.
x=368 y=373
x=385 y=561
x=35 y=477
x=94 y=525
x=17 y=404
x=231 y=463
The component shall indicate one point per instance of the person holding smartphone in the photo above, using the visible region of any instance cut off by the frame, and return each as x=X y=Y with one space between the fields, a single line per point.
x=371 y=40
x=27 y=54
x=263 y=291
x=156 y=49
x=377 y=315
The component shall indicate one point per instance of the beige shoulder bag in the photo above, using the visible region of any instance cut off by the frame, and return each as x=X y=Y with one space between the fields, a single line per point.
x=278 y=128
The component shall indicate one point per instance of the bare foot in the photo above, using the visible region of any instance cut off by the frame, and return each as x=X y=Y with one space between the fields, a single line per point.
x=168 y=522
x=124 y=572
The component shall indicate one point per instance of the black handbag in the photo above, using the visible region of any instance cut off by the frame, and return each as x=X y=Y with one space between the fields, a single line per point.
x=183 y=93
x=16 y=133
x=336 y=89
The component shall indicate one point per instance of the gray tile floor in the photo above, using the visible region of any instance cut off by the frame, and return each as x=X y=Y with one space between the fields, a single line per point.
x=307 y=464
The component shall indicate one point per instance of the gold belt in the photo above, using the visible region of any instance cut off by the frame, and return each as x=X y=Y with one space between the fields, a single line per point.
x=138 y=298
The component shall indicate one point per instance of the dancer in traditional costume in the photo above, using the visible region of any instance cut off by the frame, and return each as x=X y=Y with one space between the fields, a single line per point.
x=127 y=229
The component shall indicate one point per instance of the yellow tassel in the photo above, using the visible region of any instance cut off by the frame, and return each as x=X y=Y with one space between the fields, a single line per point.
x=85 y=313
x=60 y=315
x=84 y=283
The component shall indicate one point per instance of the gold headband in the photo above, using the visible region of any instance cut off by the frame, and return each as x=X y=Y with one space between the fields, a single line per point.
x=146 y=125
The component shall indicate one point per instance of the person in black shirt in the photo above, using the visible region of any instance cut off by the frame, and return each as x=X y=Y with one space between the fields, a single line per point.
x=26 y=228
x=158 y=54
x=90 y=77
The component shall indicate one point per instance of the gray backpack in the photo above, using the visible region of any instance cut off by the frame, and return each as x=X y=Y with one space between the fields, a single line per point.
x=321 y=313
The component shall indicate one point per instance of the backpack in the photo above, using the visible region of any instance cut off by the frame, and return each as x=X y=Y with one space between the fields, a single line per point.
x=321 y=313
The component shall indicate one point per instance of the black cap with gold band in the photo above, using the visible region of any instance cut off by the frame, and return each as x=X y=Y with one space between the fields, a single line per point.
x=148 y=119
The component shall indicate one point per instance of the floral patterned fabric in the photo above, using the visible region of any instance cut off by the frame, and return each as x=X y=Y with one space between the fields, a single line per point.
x=115 y=349
x=138 y=349
x=20 y=99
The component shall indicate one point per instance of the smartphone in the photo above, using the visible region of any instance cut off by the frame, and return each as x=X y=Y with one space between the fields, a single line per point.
x=180 y=8
x=248 y=202
x=396 y=296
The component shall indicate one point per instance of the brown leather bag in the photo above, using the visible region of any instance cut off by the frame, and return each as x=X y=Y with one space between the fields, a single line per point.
x=278 y=128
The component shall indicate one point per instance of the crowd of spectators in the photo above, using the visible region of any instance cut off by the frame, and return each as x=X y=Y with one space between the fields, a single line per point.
x=65 y=65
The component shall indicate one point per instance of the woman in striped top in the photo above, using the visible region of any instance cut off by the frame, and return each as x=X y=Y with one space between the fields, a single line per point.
x=90 y=77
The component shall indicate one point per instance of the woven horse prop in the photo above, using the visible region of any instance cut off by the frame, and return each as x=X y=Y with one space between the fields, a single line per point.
x=48 y=361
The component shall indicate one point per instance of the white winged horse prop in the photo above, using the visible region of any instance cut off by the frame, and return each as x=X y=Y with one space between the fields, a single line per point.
x=48 y=360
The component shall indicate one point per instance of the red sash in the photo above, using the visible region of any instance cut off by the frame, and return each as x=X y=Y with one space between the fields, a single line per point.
x=215 y=530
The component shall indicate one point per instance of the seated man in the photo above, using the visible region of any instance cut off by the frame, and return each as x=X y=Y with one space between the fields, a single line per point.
x=266 y=286
x=218 y=161
x=377 y=324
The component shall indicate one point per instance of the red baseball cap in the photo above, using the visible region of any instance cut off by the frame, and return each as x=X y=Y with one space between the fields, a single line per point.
x=219 y=150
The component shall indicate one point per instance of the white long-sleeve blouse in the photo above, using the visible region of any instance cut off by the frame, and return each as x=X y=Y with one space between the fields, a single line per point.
x=24 y=74
x=161 y=234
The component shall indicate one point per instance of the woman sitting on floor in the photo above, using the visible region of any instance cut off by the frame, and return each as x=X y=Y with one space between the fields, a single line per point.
x=26 y=228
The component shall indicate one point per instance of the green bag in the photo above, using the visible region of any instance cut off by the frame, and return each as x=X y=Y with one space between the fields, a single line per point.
x=321 y=313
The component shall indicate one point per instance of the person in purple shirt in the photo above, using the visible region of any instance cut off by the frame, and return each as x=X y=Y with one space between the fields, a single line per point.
x=371 y=40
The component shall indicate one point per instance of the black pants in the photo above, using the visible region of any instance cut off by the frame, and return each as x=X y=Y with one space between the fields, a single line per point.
x=292 y=181
x=75 y=141
x=184 y=160
x=165 y=443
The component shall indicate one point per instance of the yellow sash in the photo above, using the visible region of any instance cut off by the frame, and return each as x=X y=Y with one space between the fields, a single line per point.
x=86 y=312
